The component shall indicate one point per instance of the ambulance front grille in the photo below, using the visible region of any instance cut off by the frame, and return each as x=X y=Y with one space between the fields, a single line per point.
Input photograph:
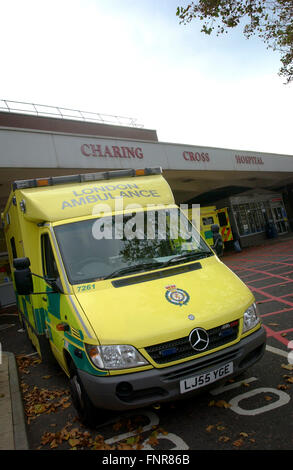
x=177 y=349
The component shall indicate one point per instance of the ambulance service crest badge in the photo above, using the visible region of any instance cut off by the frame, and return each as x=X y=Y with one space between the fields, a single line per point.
x=176 y=296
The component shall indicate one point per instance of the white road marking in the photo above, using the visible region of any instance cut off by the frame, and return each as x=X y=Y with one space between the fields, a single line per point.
x=284 y=398
x=225 y=388
x=278 y=351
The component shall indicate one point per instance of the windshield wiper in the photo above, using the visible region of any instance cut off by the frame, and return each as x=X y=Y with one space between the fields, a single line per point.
x=188 y=256
x=133 y=269
x=154 y=265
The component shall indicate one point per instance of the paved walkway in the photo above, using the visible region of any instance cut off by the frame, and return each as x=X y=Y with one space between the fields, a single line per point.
x=13 y=434
x=268 y=272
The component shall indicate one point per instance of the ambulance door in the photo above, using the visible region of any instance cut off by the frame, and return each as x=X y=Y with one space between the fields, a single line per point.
x=225 y=228
x=51 y=300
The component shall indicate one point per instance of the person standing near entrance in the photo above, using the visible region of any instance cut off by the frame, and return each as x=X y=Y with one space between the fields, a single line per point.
x=218 y=245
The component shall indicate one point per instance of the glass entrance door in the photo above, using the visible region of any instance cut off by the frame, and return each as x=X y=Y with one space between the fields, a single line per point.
x=280 y=217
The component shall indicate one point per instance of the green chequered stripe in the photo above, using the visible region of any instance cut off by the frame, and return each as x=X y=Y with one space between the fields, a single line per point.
x=39 y=314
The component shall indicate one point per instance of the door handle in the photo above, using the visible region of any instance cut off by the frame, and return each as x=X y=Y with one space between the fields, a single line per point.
x=45 y=299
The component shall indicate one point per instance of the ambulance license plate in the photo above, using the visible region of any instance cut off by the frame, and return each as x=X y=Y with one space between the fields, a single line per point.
x=206 y=378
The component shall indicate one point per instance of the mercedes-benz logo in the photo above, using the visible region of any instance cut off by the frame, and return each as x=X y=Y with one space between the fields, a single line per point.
x=199 y=339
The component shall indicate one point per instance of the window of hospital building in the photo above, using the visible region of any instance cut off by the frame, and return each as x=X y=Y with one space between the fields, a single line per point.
x=250 y=217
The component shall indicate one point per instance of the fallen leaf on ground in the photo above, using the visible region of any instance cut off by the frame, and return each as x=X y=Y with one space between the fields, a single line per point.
x=153 y=441
x=66 y=405
x=23 y=362
x=39 y=400
x=210 y=427
x=245 y=384
x=99 y=444
x=131 y=440
x=219 y=404
x=117 y=426
x=238 y=443
x=282 y=387
x=124 y=446
x=73 y=442
x=289 y=379
x=39 y=408
x=162 y=431
x=53 y=444
x=47 y=437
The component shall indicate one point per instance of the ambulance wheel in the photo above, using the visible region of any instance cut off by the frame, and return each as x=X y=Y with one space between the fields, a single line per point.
x=87 y=412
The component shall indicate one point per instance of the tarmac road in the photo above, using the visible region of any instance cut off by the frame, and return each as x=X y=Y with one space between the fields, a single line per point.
x=252 y=413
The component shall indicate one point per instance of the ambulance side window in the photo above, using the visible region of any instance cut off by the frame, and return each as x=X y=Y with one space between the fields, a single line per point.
x=49 y=264
x=207 y=220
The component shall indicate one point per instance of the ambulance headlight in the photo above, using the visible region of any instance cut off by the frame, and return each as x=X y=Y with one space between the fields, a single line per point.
x=120 y=356
x=250 y=318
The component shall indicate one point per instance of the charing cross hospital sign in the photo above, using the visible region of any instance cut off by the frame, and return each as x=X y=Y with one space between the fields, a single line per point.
x=38 y=149
x=211 y=157
x=96 y=150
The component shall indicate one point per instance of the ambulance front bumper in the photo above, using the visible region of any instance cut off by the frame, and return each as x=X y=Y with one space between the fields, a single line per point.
x=139 y=389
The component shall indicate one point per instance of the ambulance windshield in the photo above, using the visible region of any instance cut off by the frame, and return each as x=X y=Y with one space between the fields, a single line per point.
x=118 y=245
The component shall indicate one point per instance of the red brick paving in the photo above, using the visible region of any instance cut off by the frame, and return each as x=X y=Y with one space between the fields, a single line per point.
x=268 y=271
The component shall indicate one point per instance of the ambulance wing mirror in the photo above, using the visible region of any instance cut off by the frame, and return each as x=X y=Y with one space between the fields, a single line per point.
x=24 y=281
x=23 y=276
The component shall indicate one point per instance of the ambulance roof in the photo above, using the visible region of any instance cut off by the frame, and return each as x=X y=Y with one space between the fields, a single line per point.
x=59 y=198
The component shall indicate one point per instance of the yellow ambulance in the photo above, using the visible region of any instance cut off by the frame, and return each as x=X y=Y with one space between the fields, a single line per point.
x=135 y=310
x=209 y=216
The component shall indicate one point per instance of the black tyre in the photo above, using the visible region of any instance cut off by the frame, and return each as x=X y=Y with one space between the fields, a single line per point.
x=87 y=412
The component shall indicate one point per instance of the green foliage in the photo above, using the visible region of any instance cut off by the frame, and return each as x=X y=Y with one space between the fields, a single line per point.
x=271 y=20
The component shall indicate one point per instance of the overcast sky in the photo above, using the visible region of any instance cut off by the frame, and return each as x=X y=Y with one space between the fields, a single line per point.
x=133 y=58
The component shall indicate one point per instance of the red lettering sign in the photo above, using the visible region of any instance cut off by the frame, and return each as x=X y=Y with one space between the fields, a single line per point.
x=196 y=156
x=114 y=151
x=248 y=160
